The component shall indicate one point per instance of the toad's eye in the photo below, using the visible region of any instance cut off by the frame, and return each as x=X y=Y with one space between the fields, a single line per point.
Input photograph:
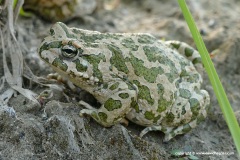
x=69 y=51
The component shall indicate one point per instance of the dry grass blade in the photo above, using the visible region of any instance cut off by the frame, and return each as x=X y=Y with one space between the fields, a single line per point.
x=17 y=9
x=12 y=52
x=3 y=6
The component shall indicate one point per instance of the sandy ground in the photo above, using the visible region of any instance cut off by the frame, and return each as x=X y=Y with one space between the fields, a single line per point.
x=55 y=130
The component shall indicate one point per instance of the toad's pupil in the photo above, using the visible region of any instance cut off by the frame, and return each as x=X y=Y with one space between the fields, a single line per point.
x=69 y=51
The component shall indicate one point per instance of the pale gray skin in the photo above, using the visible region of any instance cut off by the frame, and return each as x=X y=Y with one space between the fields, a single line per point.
x=135 y=76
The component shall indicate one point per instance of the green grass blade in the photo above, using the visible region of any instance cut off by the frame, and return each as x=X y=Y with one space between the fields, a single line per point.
x=212 y=74
x=21 y=12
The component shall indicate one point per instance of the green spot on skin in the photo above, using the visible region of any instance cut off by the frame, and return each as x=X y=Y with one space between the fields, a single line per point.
x=150 y=74
x=160 y=89
x=52 y=32
x=197 y=60
x=66 y=30
x=47 y=46
x=91 y=45
x=117 y=59
x=184 y=93
x=94 y=60
x=134 y=105
x=195 y=107
x=149 y=115
x=169 y=117
x=112 y=36
x=175 y=45
x=102 y=116
x=183 y=110
x=60 y=64
x=182 y=122
x=186 y=128
x=129 y=43
x=92 y=37
x=173 y=73
x=76 y=31
x=163 y=103
x=55 y=44
x=112 y=104
x=114 y=86
x=171 y=77
x=153 y=53
x=144 y=92
x=200 y=118
x=193 y=78
x=124 y=95
x=156 y=119
x=105 y=86
x=146 y=39
x=184 y=73
x=80 y=67
x=177 y=83
x=183 y=64
x=157 y=54
x=189 y=52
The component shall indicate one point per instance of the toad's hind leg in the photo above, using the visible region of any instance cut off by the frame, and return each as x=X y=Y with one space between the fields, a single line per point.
x=170 y=132
x=198 y=104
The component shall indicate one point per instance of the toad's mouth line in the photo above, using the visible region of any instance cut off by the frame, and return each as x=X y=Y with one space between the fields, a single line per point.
x=73 y=74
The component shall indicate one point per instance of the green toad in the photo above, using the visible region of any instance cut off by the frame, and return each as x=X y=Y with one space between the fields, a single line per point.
x=135 y=76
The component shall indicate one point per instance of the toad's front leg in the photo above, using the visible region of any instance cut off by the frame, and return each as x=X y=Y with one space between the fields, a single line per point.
x=115 y=108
